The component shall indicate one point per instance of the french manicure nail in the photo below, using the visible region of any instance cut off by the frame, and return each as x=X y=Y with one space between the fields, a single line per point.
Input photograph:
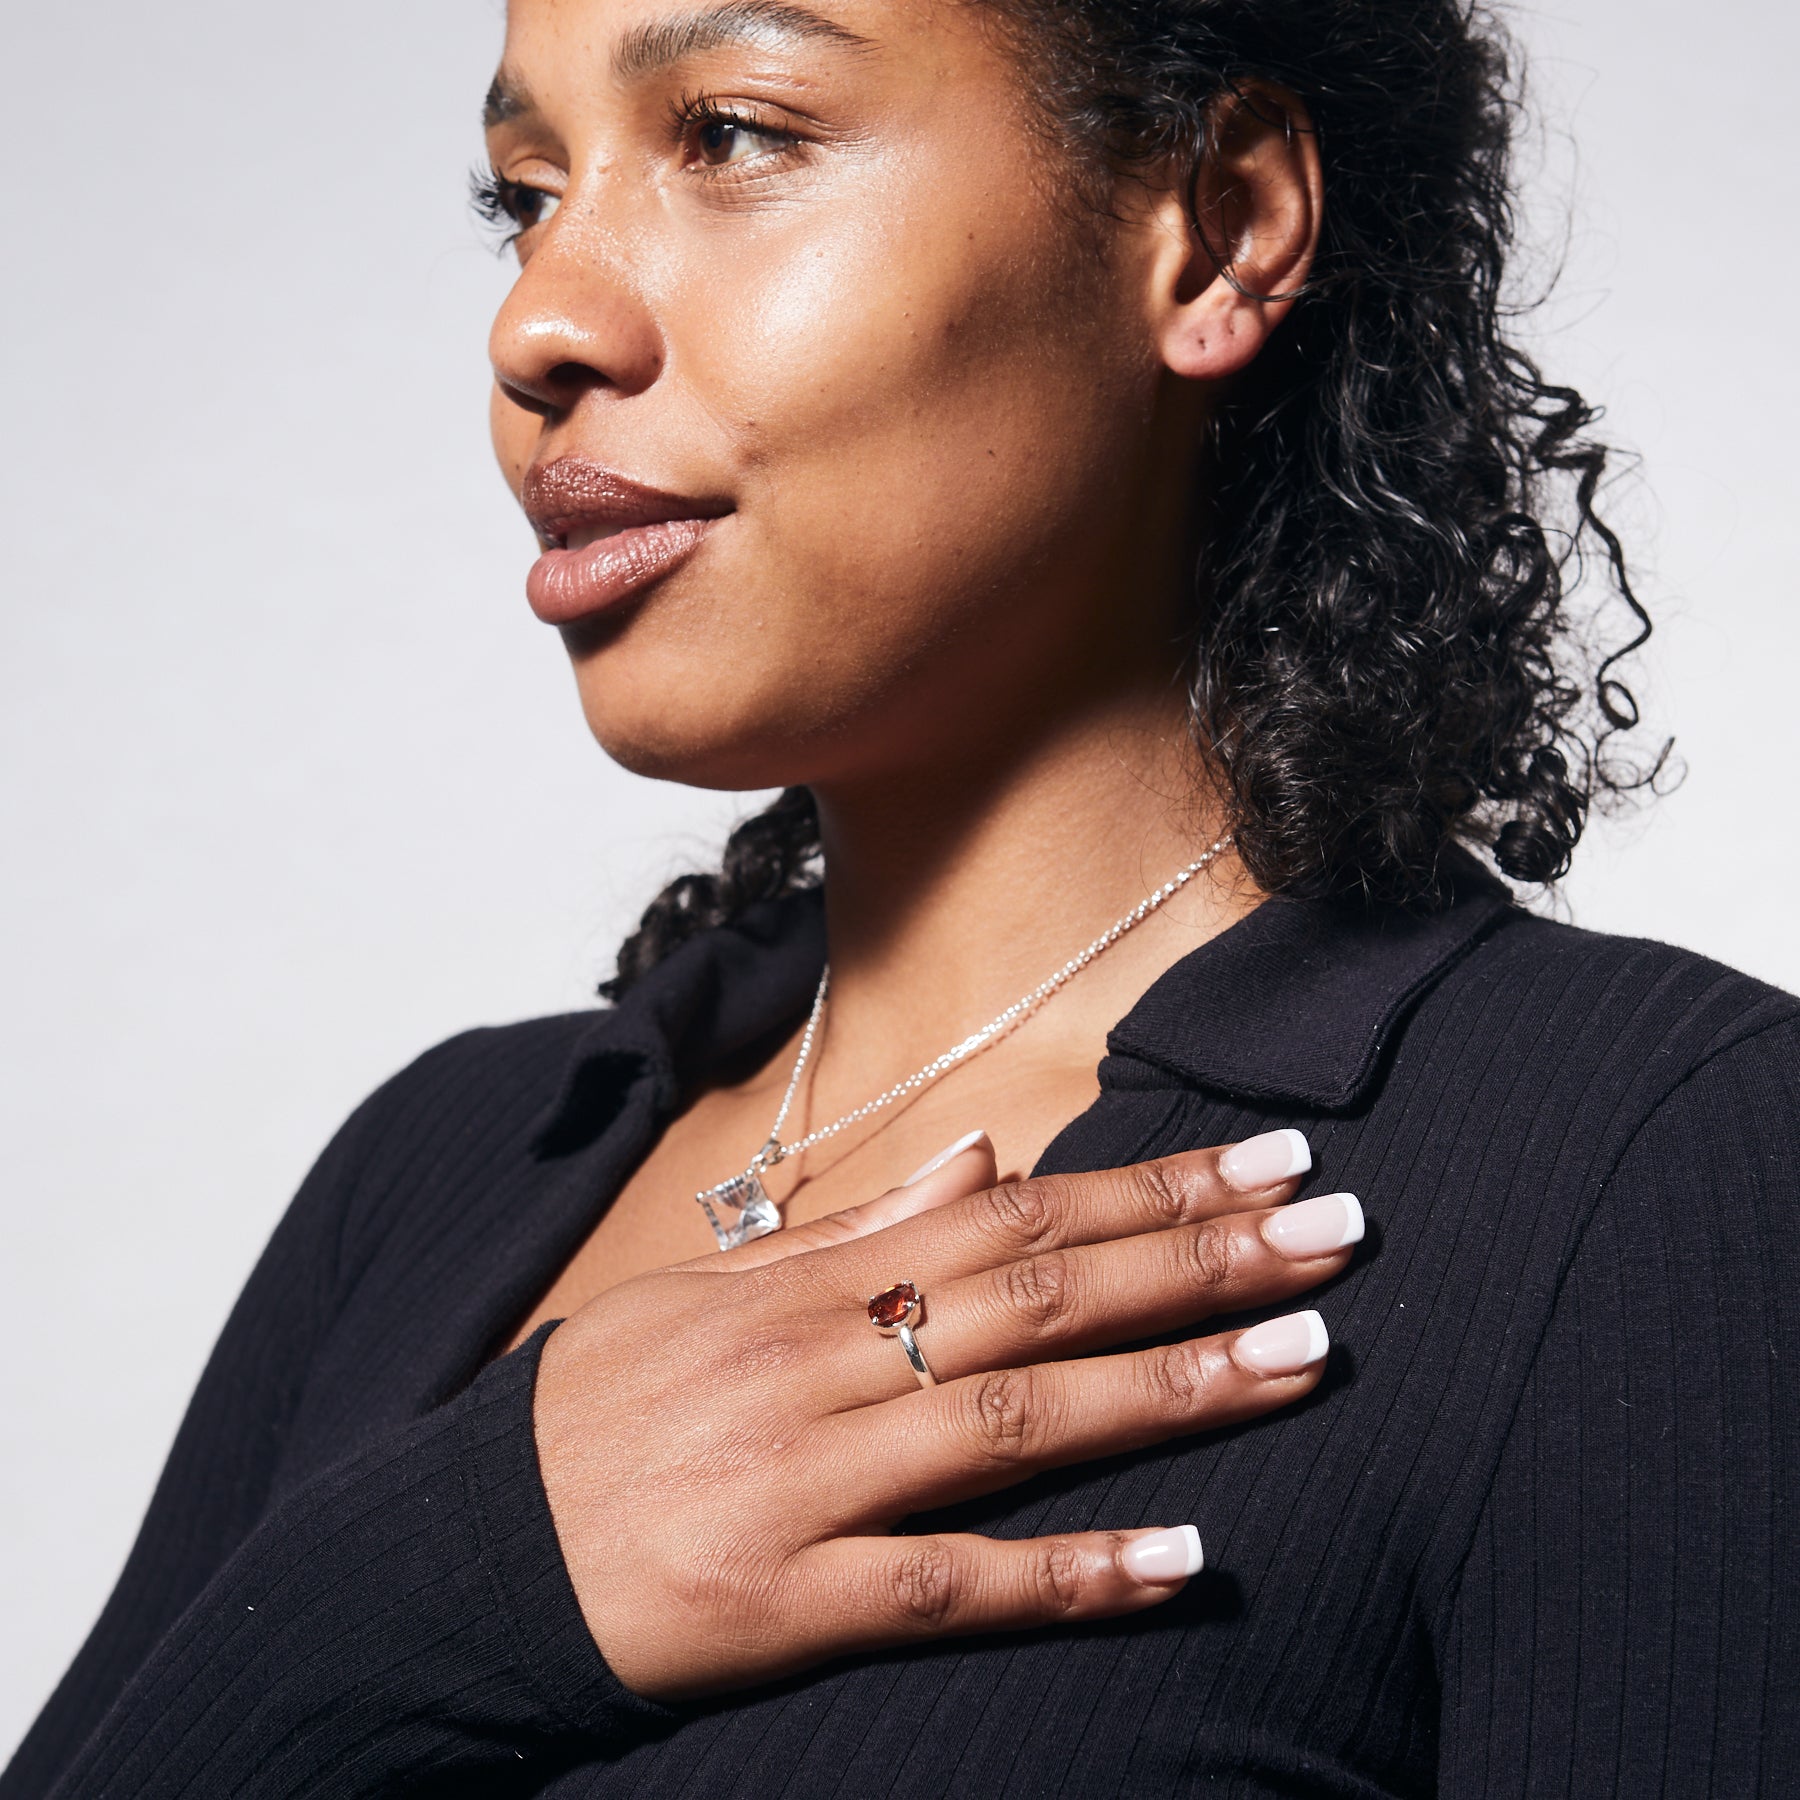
x=1260 y=1162
x=1315 y=1227
x=1282 y=1346
x=967 y=1141
x=1159 y=1558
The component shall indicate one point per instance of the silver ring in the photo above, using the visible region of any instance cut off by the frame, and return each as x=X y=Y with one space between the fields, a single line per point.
x=893 y=1312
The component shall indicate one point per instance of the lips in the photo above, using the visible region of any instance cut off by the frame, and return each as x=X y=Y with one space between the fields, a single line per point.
x=607 y=537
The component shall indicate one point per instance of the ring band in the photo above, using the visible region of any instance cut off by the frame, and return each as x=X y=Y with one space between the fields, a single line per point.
x=893 y=1312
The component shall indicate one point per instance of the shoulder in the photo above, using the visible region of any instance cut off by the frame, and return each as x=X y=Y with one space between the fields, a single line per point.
x=1618 y=1027
x=490 y=1073
x=1620 y=997
x=469 y=1108
x=492 y=1080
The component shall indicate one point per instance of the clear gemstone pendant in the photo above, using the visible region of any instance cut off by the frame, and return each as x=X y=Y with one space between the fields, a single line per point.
x=740 y=1210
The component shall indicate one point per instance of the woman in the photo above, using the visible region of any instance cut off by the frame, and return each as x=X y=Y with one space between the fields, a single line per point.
x=877 y=379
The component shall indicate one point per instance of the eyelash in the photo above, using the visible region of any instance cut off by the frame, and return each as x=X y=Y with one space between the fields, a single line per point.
x=694 y=112
x=501 y=204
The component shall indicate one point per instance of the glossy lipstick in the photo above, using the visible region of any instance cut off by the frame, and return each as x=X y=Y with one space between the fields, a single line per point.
x=606 y=537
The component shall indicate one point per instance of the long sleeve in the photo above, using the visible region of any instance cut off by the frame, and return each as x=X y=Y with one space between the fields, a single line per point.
x=404 y=1621
x=403 y=1618
x=1626 y=1622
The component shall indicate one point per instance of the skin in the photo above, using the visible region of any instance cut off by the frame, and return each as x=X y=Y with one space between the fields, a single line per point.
x=950 y=414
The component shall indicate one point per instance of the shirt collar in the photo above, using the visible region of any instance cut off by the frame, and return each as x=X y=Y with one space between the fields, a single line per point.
x=1298 y=1002
x=703 y=1004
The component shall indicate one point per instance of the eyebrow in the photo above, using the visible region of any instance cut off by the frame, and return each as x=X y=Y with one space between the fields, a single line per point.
x=656 y=45
x=652 y=47
x=506 y=99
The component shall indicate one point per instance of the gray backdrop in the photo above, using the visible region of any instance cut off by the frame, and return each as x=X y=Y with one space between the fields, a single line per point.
x=294 y=785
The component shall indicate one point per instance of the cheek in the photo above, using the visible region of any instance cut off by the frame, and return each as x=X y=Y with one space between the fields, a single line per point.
x=923 y=406
x=924 y=409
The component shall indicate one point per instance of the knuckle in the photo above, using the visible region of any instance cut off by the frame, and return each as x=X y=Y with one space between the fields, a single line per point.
x=1213 y=1256
x=1061 y=1578
x=1173 y=1378
x=926 y=1584
x=1162 y=1193
x=1040 y=1291
x=1001 y=1414
x=1022 y=1214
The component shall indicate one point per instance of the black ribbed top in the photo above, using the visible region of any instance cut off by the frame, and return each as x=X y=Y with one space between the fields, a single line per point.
x=1537 y=1533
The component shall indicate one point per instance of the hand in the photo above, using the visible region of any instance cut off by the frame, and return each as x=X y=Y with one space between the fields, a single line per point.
x=727 y=1444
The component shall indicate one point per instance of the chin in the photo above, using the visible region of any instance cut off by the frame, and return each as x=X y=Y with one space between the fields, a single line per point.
x=739 y=710
x=658 y=731
x=716 y=767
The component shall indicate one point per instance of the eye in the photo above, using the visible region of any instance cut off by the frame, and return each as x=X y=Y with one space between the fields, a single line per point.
x=531 y=207
x=510 y=208
x=719 y=138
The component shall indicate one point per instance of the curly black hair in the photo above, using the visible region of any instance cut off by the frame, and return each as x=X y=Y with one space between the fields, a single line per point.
x=1399 y=506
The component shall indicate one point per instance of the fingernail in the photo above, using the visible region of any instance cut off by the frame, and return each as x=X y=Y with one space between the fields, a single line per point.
x=1282 y=1346
x=1260 y=1162
x=1315 y=1227
x=967 y=1141
x=1161 y=1557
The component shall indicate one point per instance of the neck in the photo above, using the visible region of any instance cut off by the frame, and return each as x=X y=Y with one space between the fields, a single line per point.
x=954 y=891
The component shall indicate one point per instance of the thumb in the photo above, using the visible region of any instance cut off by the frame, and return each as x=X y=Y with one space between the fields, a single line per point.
x=958 y=1170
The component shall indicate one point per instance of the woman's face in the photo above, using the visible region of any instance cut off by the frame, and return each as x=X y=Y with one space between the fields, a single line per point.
x=843 y=419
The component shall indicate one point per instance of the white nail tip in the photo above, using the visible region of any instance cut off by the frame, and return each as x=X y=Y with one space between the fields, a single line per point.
x=1354 y=1225
x=967 y=1141
x=1196 y=1557
x=1318 y=1339
x=1299 y=1152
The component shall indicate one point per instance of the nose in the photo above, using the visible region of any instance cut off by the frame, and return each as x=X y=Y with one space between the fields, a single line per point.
x=574 y=324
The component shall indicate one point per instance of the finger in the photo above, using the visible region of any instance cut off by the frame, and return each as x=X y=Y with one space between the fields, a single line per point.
x=968 y=1437
x=960 y=1169
x=963 y=1168
x=873 y=1593
x=1025 y=1218
x=1066 y=1302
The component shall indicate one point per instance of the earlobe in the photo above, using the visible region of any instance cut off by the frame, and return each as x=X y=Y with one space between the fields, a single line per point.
x=1240 y=237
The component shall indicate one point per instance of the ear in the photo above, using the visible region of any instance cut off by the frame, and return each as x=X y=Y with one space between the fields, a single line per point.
x=1237 y=236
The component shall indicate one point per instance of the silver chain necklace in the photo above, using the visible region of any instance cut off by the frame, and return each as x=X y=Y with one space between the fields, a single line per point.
x=745 y=1196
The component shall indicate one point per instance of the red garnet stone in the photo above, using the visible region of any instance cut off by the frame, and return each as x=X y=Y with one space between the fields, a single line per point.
x=894 y=1306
